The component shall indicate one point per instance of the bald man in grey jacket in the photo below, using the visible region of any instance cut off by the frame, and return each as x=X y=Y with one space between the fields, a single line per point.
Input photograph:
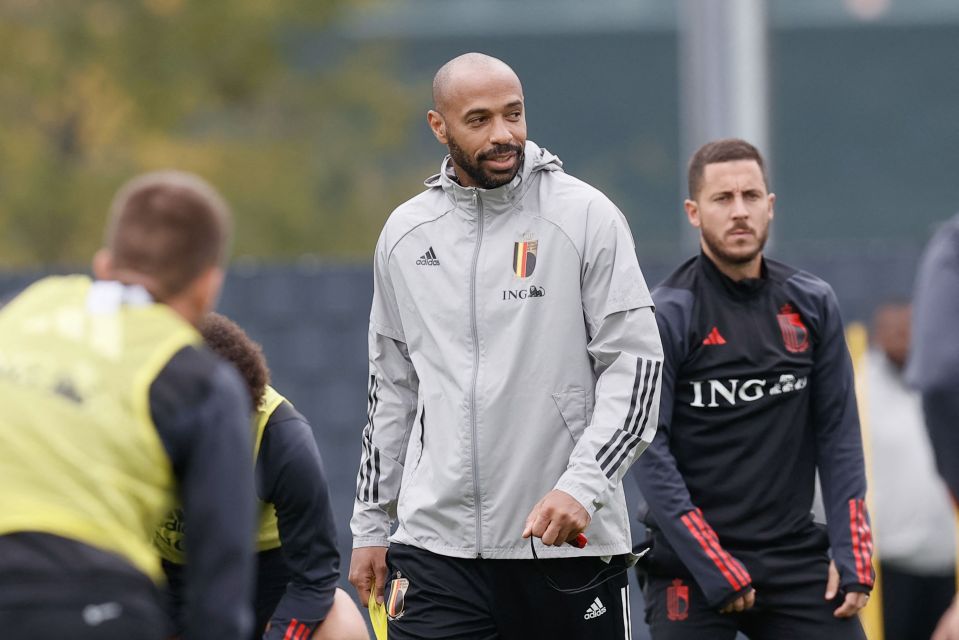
x=514 y=377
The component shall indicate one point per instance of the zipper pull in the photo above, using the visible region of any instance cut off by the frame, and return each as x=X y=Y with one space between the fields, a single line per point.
x=475 y=195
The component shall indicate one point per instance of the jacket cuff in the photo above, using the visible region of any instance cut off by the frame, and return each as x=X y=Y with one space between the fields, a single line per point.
x=857 y=587
x=734 y=595
x=368 y=541
x=579 y=493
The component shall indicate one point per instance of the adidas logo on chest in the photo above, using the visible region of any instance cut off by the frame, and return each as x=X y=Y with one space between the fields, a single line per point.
x=428 y=259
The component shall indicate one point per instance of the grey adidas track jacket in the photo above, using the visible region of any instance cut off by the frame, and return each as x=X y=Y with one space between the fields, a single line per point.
x=513 y=350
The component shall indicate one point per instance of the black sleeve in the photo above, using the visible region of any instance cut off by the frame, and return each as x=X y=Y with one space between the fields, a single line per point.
x=290 y=475
x=839 y=454
x=721 y=577
x=202 y=413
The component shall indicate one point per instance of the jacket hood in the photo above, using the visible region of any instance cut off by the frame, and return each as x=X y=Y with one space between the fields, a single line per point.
x=535 y=159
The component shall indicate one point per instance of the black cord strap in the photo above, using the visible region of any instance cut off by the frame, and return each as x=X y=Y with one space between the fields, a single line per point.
x=601 y=577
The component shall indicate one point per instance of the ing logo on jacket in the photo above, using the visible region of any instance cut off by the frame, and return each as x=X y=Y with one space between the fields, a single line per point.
x=523 y=294
x=731 y=391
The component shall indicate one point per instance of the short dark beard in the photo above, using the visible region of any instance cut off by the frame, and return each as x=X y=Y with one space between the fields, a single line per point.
x=485 y=179
x=730 y=259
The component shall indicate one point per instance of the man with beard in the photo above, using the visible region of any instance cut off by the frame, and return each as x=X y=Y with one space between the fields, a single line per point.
x=514 y=377
x=757 y=394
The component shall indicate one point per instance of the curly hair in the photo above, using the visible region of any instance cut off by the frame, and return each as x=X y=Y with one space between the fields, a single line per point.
x=230 y=342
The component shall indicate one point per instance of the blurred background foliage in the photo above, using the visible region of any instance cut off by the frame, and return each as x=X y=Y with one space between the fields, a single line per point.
x=309 y=115
x=311 y=155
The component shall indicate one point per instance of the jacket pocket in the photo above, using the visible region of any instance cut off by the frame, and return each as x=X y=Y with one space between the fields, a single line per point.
x=573 y=408
x=422 y=438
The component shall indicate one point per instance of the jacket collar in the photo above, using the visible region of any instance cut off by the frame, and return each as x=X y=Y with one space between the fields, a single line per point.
x=736 y=289
x=502 y=198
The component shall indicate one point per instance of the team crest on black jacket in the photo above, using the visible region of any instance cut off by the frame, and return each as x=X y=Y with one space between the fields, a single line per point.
x=795 y=334
x=677 y=601
x=524 y=258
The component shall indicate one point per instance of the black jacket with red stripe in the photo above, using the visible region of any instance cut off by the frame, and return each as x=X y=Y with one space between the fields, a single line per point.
x=757 y=392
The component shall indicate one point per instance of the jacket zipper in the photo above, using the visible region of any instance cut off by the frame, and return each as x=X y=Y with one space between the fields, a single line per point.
x=478 y=204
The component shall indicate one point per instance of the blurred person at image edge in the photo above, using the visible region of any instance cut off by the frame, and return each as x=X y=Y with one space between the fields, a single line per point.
x=113 y=409
x=934 y=366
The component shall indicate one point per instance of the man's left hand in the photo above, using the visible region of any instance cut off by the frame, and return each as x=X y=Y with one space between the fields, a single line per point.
x=557 y=518
x=854 y=600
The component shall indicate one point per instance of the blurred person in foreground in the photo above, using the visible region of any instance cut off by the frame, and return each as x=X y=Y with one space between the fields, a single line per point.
x=912 y=512
x=113 y=409
x=297 y=560
x=934 y=366
x=757 y=394
x=514 y=377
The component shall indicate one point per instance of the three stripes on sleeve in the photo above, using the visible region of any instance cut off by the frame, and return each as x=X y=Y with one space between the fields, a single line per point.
x=612 y=454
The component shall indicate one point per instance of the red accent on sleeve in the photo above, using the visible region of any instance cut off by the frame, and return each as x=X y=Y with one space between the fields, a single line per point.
x=711 y=552
x=854 y=532
x=710 y=533
x=861 y=542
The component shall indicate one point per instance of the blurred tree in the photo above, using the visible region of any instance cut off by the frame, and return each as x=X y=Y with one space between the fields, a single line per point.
x=311 y=153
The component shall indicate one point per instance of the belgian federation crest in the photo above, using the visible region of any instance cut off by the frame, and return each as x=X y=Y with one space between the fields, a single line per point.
x=396 y=600
x=677 y=601
x=795 y=334
x=524 y=258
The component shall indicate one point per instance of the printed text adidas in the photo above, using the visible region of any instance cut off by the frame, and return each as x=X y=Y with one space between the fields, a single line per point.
x=596 y=609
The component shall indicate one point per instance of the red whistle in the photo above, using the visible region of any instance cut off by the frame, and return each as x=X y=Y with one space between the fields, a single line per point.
x=579 y=541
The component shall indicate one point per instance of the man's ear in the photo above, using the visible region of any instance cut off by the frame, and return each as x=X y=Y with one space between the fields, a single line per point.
x=437 y=125
x=103 y=265
x=772 y=203
x=692 y=212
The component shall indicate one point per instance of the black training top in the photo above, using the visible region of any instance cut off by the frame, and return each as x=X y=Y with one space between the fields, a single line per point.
x=290 y=475
x=757 y=392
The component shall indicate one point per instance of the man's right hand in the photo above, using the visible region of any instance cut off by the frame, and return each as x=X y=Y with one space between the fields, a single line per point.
x=368 y=571
x=741 y=603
